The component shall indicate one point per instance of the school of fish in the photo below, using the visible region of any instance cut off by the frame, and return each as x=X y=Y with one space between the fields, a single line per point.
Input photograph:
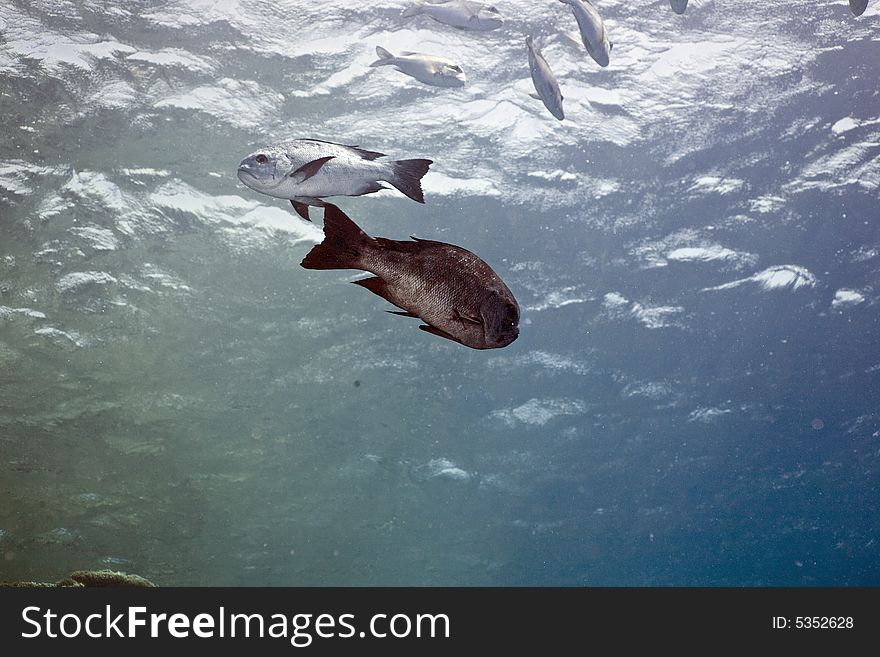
x=456 y=294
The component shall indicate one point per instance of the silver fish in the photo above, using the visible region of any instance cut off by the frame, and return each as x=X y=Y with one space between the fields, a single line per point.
x=463 y=14
x=678 y=6
x=429 y=69
x=544 y=80
x=454 y=292
x=858 y=6
x=592 y=29
x=307 y=170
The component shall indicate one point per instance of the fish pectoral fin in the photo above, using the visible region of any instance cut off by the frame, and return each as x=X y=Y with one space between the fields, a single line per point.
x=467 y=319
x=535 y=96
x=402 y=313
x=427 y=328
x=309 y=169
x=301 y=209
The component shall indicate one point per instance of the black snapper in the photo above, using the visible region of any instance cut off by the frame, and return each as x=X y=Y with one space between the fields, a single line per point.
x=454 y=292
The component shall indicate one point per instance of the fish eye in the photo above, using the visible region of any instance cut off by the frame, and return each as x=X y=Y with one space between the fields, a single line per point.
x=262 y=159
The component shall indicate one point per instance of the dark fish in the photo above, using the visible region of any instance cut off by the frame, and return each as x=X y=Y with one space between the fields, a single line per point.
x=678 y=6
x=454 y=292
x=858 y=6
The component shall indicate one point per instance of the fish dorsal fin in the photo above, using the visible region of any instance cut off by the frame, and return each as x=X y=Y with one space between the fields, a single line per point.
x=405 y=246
x=425 y=242
x=427 y=328
x=472 y=9
x=309 y=169
x=367 y=155
x=386 y=243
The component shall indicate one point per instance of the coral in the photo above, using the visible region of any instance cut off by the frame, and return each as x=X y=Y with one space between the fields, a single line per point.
x=108 y=578
x=87 y=578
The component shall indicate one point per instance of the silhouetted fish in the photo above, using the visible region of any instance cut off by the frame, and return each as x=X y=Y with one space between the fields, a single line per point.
x=307 y=170
x=678 y=6
x=544 y=80
x=430 y=69
x=592 y=29
x=454 y=292
x=463 y=14
x=858 y=6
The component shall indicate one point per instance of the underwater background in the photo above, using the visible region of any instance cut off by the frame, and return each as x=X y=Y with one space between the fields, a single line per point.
x=694 y=398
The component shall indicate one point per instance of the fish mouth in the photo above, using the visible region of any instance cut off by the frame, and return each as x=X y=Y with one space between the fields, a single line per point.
x=245 y=176
x=505 y=340
x=501 y=339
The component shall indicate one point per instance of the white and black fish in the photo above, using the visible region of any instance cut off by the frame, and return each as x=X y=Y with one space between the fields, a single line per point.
x=456 y=294
x=858 y=6
x=592 y=29
x=308 y=170
x=429 y=69
x=678 y=6
x=463 y=14
x=544 y=80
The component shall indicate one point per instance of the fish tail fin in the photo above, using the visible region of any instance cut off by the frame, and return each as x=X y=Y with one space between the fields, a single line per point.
x=385 y=57
x=414 y=9
x=408 y=177
x=343 y=246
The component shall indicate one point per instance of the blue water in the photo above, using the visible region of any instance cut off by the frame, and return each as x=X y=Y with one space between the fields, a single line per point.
x=693 y=398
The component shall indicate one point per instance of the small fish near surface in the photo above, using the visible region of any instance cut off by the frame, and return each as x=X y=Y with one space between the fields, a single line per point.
x=463 y=14
x=308 y=170
x=430 y=69
x=592 y=29
x=544 y=80
x=857 y=7
x=454 y=292
x=678 y=6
